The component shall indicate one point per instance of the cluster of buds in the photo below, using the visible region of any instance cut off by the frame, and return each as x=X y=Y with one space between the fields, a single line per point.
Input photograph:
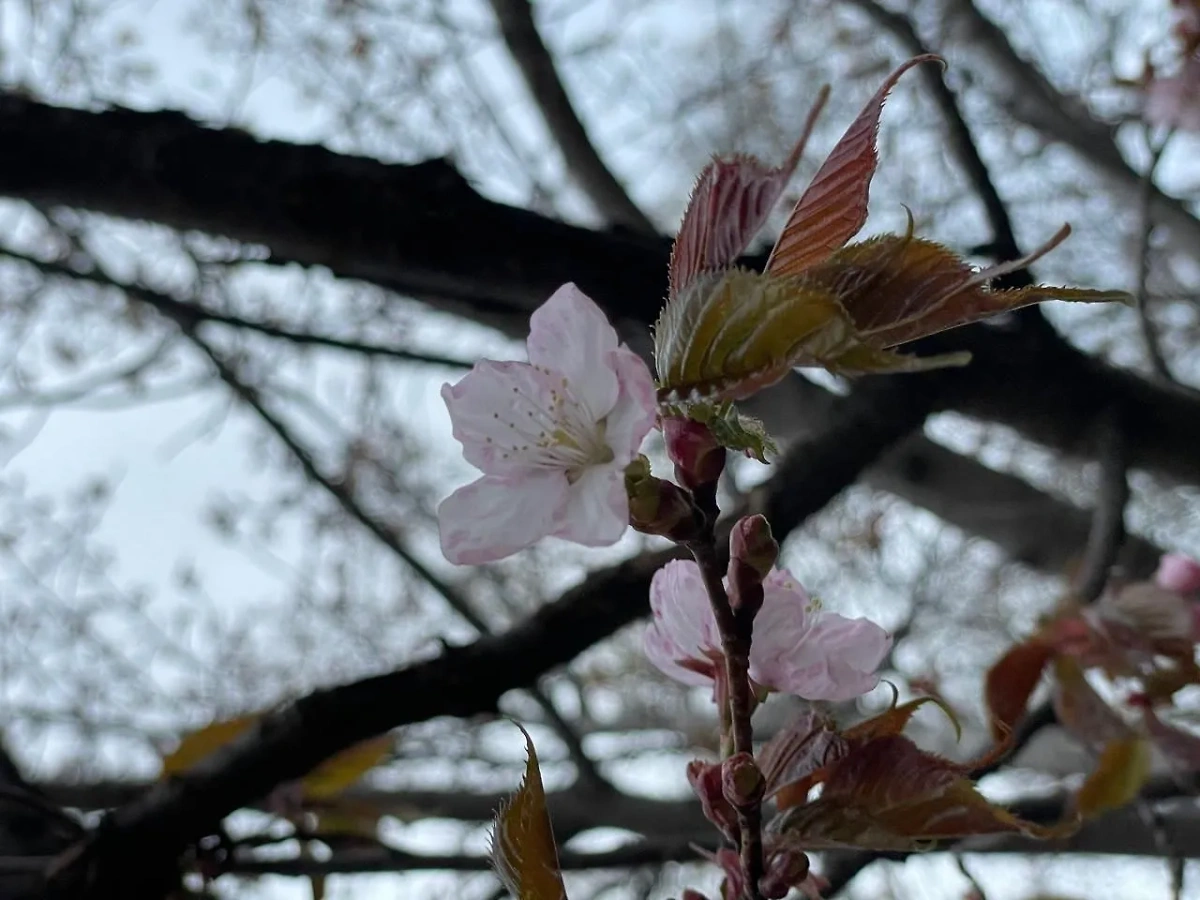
x=676 y=511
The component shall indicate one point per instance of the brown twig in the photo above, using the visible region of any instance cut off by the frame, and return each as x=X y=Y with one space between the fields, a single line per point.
x=184 y=311
x=1108 y=519
x=537 y=67
x=735 y=628
x=1158 y=362
x=1003 y=245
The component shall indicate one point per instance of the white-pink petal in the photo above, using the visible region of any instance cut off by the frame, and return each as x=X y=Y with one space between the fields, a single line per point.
x=1174 y=101
x=1179 y=573
x=852 y=651
x=498 y=412
x=780 y=629
x=683 y=627
x=570 y=336
x=636 y=409
x=596 y=509
x=818 y=656
x=496 y=516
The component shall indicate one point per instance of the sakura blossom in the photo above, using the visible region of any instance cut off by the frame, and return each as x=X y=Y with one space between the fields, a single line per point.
x=1174 y=101
x=1178 y=573
x=552 y=437
x=796 y=649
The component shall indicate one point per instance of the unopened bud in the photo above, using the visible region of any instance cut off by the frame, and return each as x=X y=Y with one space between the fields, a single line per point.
x=752 y=555
x=752 y=544
x=741 y=781
x=699 y=459
x=786 y=869
x=657 y=506
x=689 y=894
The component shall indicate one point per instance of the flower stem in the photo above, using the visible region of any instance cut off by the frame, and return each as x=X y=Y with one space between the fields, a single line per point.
x=736 y=628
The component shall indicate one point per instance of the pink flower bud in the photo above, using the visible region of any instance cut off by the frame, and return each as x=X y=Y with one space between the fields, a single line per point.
x=705 y=779
x=657 y=506
x=741 y=781
x=699 y=459
x=752 y=554
x=1178 y=573
x=752 y=544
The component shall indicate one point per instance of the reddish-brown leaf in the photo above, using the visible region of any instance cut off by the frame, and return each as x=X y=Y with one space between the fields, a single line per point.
x=791 y=758
x=895 y=720
x=729 y=205
x=1160 y=684
x=1011 y=681
x=897 y=289
x=1081 y=710
x=834 y=206
x=524 y=853
x=887 y=794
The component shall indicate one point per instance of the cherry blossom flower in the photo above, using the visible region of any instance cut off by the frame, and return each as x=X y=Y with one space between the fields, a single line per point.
x=552 y=437
x=796 y=649
x=1174 y=101
x=1178 y=573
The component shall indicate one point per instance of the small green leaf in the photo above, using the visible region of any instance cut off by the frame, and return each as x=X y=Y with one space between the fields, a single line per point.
x=733 y=430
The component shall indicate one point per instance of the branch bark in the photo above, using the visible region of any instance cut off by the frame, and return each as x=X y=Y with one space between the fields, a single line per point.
x=406 y=227
x=533 y=58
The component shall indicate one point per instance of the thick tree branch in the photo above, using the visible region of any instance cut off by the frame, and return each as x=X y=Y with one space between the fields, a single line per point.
x=406 y=227
x=537 y=67
x=421 y=229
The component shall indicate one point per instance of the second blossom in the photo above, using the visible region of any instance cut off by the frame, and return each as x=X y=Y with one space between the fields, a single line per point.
x=796 y=649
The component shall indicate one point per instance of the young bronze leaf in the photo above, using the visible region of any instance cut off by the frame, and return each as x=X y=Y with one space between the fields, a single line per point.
x=729 y=205
x=888 y=794
x=1011 y=681
x=895 y=720
x=523 y=850
x=791 y=758
x=897 y=289
x=1118 y=778
x=834 y=206
x=730 y=334
x=201 y=744
x=339 y=772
